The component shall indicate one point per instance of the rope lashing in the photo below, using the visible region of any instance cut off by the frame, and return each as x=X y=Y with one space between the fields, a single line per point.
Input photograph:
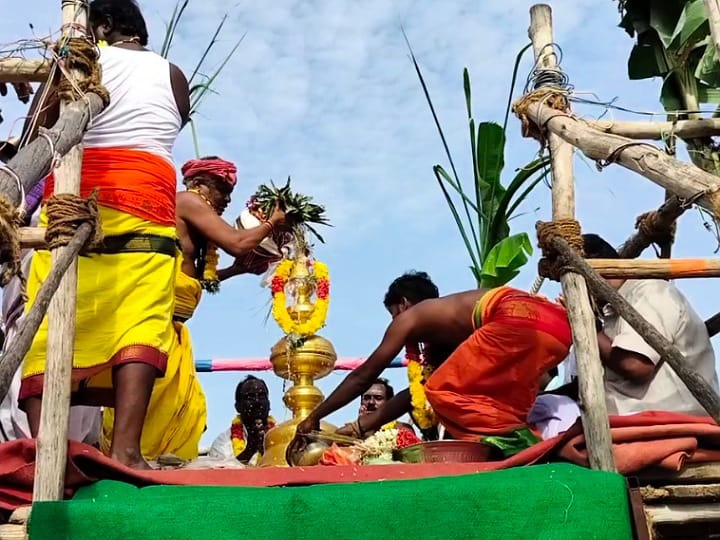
x=81 y=55
x=552 y=265
x=10 y=254
x=655 y=229
x=556 y=98
x=65 y=213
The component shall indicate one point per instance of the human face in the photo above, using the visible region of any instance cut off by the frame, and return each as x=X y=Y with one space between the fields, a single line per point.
x=373 y=399
x=219 y=192
x=254 y=402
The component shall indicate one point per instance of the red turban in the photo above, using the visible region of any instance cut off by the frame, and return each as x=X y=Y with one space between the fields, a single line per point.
x=214 y=167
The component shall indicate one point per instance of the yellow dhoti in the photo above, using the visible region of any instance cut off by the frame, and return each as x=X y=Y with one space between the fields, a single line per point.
x=177 y=412
x=124 y=304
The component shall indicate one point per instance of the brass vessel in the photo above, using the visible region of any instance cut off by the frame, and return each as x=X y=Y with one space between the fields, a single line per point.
x=302 y=363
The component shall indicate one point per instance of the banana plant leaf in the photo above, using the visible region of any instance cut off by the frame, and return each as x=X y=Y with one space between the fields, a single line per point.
x=505 y=260
x=483 y=223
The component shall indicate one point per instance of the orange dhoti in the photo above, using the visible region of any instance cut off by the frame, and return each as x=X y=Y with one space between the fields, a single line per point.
x=489 y=383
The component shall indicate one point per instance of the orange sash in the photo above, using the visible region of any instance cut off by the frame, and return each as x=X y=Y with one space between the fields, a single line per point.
x=489 y=383
x=131 y=181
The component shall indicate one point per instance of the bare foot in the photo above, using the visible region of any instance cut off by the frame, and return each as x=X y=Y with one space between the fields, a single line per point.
x=132 y=459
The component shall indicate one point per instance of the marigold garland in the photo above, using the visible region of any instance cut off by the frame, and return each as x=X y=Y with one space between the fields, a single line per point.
x=418 y=373
x=279 y=304
x=237 y=434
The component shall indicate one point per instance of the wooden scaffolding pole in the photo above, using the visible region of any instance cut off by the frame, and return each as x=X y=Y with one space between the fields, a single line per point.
x=52 y=443
x=684 y=129
x=590 y=375
x=656 y=268
x=13 y=70
x=659 y=226
x=682 y=179
x=33 y=162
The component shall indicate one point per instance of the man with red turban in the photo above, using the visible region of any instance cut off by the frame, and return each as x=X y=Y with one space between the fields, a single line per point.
x=177 y=412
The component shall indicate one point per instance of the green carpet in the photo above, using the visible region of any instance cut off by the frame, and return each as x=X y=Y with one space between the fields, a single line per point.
x=546 y=502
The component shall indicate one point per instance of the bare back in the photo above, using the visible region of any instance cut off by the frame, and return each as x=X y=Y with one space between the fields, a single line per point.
x=446 y=320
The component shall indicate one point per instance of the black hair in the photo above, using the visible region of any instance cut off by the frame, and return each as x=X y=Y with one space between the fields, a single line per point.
x=414 y=286
x=596 y=247
x=123 y=16
x=240 y=385
x=389 y=390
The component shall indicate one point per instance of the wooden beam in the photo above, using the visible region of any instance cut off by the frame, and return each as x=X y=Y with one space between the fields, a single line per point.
x=13 y=70
x=655 y=268
x=590 y=375
x=666 y=215
x=34 y=161
x=713 y=325
x=32 y=237
x=692 y=473
x=685 y=514
x=684 y=129
x=683 y=179
x=689 y=493
x=52 y=440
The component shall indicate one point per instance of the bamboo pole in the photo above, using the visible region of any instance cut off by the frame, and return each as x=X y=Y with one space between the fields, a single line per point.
x=713 y=325
x=14 y=70
x=590 y=375
x=52 y=443
x=32 y=237
x=17 y=350
x=656 y=268
x=665 y=215
x=698 y=387
x=684 y=129
x=33 y=161
x=682 y=179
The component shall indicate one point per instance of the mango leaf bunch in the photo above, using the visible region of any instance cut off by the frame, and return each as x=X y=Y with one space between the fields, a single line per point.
x=300 y=210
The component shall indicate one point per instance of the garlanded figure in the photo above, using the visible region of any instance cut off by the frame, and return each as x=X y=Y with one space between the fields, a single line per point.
x=502 y=340
x=124 y=327
x=245 y=439
x=177 y=411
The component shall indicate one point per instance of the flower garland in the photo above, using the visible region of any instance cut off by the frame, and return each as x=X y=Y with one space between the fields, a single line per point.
x=237 y=434
x=418 y=374
x=209 y=261
x=279 y=304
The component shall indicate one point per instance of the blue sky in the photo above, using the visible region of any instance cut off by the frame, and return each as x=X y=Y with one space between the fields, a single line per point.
x=325 y=92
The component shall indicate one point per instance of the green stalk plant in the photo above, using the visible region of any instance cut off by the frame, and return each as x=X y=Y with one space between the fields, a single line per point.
x=488 y=206
x=200 y=84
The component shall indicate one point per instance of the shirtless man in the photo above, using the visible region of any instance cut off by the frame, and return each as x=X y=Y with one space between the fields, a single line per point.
x=503 y=340
x=210 y=182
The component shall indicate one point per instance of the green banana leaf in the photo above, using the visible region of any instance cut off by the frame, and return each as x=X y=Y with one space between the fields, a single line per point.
x=505 y=260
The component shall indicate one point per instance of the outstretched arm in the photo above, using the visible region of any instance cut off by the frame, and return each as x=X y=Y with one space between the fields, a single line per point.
x=398 y=405
x=360 y=379
x=194 y=211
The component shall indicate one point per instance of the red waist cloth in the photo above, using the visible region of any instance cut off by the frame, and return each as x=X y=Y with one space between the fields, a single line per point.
x=650 y=439
x=132 y=181
x=489 y=383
